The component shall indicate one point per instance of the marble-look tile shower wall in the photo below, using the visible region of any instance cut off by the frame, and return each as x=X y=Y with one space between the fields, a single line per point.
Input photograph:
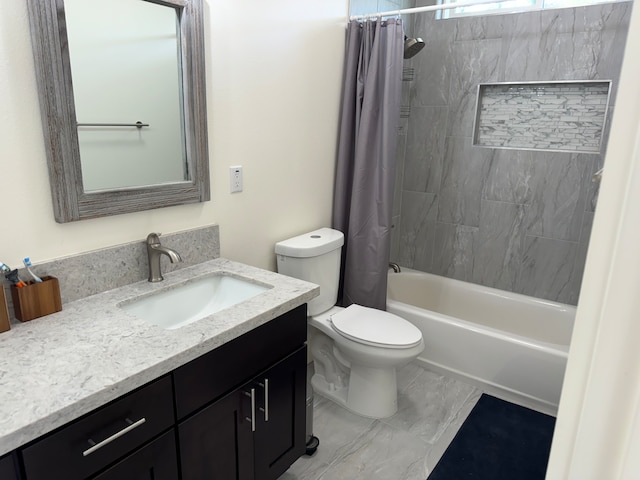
x=511 y=219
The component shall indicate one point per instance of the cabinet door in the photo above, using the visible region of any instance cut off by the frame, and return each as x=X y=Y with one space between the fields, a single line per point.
x=156 y=461
x=8 y=470
x=216 y=443
x=279 y=439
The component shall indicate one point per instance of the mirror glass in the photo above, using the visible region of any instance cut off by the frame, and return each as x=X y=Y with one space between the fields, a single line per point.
x=122 y=92
x=125 y=66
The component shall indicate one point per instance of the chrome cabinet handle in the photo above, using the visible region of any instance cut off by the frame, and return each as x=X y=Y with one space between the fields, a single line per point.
x=253 y=409
x=265 y=410
x=96 y=446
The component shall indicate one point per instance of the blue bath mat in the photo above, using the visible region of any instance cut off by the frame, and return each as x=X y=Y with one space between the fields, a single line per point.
x=498 y=441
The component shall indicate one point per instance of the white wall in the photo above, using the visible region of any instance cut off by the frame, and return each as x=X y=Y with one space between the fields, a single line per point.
x=273 y=74
x=277 y=75
x=597 y=434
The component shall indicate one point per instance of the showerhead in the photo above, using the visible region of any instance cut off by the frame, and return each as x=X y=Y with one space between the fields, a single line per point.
x=412 y=46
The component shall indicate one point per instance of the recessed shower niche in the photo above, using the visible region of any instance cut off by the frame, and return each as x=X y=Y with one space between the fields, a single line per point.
x=564 y=116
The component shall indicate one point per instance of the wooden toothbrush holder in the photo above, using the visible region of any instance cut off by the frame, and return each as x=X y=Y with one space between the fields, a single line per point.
x=37 y=299
x=4 y=311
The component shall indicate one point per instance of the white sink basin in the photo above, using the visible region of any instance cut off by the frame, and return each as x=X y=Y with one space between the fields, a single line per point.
x=184 y=304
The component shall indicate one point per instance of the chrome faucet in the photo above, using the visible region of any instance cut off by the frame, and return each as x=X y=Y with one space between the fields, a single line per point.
x=154 y=251
x=395 y=267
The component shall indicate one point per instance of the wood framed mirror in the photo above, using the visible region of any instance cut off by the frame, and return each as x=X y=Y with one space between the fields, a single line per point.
x=73 y=196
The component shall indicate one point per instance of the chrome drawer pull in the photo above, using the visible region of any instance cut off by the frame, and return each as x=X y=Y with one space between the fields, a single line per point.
x=97 y=446
x=265 y=385
x=253 y=409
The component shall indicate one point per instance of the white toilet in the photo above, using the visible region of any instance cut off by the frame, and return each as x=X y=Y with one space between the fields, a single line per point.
x=355 y=350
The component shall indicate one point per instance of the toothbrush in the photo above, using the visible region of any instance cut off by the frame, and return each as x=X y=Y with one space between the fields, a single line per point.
x=27 y=264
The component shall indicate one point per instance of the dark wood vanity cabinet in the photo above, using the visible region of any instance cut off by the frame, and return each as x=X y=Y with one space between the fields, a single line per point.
x=237 y=412
x=9 y=468
x=256 y=432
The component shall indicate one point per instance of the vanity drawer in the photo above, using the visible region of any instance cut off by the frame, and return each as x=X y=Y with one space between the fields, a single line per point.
x=214 y=374
x=157 y=460
x=113 y=430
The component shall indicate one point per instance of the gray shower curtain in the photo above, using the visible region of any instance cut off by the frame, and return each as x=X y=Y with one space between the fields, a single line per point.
x=365 y=175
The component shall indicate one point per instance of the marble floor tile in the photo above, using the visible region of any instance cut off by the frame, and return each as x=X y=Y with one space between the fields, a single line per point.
x=405 y=446
x=450 y=431
x=382 y=453
x=429 y=405
x=337 y=428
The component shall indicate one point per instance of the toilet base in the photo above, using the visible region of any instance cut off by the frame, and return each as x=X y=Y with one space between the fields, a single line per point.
x=371 y=392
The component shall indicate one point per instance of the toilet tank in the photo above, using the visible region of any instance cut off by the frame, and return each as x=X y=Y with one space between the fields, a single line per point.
x=314 y=257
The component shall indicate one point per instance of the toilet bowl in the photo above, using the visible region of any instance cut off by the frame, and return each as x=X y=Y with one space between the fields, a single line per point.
x=356 y=350
x=362 y=372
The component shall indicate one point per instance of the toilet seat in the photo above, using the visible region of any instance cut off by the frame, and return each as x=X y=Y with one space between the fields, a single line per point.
x=374 y=327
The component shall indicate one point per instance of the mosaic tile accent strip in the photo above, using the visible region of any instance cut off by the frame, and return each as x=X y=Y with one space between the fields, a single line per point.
x=542 y=116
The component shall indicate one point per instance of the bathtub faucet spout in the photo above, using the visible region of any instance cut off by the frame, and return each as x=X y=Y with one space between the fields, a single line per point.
x=395 y=266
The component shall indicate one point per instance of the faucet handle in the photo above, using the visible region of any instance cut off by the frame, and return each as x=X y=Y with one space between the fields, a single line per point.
x=152 y=238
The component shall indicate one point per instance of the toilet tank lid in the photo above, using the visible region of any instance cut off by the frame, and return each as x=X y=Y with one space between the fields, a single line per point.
x=311 y=244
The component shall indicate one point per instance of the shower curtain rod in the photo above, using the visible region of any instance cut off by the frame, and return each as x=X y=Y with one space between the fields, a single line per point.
x=430 y=8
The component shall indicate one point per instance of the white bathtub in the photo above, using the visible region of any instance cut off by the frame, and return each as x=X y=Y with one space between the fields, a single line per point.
x=510 y=345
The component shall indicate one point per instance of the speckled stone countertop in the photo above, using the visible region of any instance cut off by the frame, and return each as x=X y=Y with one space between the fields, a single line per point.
x=56 y=368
